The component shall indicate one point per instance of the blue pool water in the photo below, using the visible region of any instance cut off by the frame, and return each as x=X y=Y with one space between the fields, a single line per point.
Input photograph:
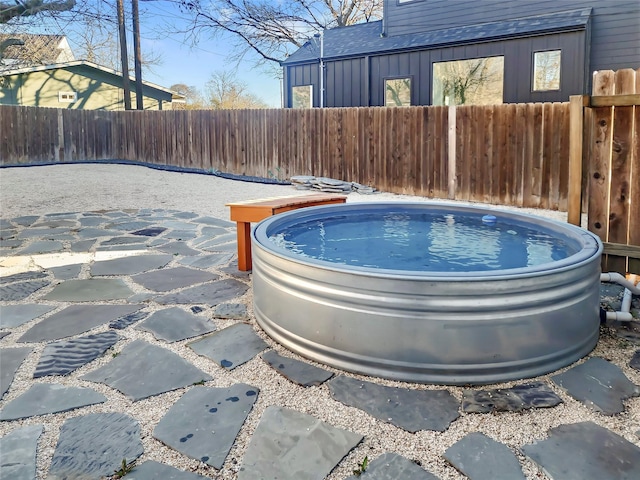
x=424 y=241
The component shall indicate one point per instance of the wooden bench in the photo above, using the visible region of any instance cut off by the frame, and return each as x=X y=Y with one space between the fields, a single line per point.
x=243 y=213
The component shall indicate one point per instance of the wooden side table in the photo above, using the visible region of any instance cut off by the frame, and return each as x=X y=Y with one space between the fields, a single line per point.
x=243 y=213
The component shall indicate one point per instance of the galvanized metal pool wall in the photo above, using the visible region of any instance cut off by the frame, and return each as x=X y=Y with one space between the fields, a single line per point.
x=429 y=327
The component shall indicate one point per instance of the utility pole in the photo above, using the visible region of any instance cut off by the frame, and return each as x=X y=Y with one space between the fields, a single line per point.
x=122 y=34
x=137 y=55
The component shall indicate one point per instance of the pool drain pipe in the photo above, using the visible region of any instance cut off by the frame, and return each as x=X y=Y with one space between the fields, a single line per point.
x=624 y=315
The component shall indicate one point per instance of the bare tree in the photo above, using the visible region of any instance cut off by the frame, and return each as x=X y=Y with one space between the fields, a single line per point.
x=224 y=92
x=193 y=97
x=27 y=8
x=273 y=30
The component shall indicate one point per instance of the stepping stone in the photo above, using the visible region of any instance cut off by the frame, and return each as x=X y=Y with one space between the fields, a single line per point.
x=181 y=234
x=171 y=278
x=90 y=290
x=143 y=370
x=482 y=458
x=122 y=248
x=42 y=232
x=74 y=320
x=204 y=423
x=43 y=246
x=207 y=233
x=26 y=220
x=18 y=453
x=43 y=398
x=289 y=445
x=95 y=233
x=218 y=241
x=598 y=384
x=231 y=346
x=585 y=451
x=514 y=399
x=66 y=272
x=149 y=232
x=14 y=292
x=635 y=360
x=130 y=265
x=120 y=241
x=298 y=372
x=174 y=324
x=130 y=319
x=82 y=245
x=411 y=410
x=56 y=223
x=391 y=466
x=91 y=221
x=3 y=334
x=151 y=470
x=177 y=248
x=64 y=357
x=10 y=360
x=178 y=225
x=236 y=311
x=21 y=277
x=93 y=446
x=129 y=224
x=206 y=261
x=185 y=215
x=214 y=222
x=16 y=315
x=210 y=293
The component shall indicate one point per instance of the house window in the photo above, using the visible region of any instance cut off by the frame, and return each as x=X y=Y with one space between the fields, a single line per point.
x=397 y=92
x=546 y=71
x=302 y=96
x=67 y=97
x=478 y=81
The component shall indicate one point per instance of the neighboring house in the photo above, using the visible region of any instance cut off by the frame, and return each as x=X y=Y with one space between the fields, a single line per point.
x=450 y=52
x=77 y=84
x=33 y=50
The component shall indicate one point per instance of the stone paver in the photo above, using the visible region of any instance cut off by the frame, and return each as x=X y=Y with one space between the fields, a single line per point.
x=63 y=357
x=93 y=446
x=129 y=319
x=298 y=372
x=206 y=261
x=171 y=278
x=43 y=398
x=585 y=451
x=409 y=409
x=235 y=311
x=391 y=466
x=174 y=324
x=130 y=265
x=230 y=347
x=16 y=315
x=289 y=445
x=209 y=293
x=204 y=423
x=75 y=319
x=599 y=384
x=635 y=360
x=142 y=370
x=18 y=453
x=482 y=458
x=14 y=292
x=514 y=399
x=10 y=360
x=90 y=290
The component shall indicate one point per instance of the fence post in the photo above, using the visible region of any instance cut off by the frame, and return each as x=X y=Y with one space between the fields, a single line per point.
x=59 y=151
x=576 y=139
x=451 y=140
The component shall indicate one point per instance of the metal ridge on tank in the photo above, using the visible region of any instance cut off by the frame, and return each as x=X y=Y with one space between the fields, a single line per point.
x=445 y=327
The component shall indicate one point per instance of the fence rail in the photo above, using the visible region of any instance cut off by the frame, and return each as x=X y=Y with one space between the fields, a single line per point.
x=508 y=154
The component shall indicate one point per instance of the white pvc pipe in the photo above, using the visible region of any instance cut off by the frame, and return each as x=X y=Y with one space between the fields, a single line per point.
x=614 y=277
x=620 y=316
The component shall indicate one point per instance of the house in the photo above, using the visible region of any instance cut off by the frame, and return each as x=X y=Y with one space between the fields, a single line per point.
x=451 y=52
x=76 y=84
x=25 y=50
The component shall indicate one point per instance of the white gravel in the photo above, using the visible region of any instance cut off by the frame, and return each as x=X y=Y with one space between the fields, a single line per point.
x=71 y=188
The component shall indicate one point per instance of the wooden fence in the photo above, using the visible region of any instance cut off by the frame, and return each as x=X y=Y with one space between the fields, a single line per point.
x=609 y=122
x=513 y=154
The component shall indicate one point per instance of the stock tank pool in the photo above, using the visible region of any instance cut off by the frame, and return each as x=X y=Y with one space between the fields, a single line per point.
x=428 y=292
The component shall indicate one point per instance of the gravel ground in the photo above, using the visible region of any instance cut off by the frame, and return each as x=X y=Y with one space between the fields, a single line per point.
x=67 y=188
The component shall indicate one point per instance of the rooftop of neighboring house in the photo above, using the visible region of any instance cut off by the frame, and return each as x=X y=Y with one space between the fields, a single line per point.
x=35 y=50
x=365 y=38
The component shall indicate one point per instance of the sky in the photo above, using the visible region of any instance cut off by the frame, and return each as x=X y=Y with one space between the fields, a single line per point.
x=182 y=62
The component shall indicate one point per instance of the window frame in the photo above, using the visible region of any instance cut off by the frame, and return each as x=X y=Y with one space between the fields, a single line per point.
x=62 y=97
x=398 y=77
x=433 y=78
x=293 y=87
x=533 y=71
